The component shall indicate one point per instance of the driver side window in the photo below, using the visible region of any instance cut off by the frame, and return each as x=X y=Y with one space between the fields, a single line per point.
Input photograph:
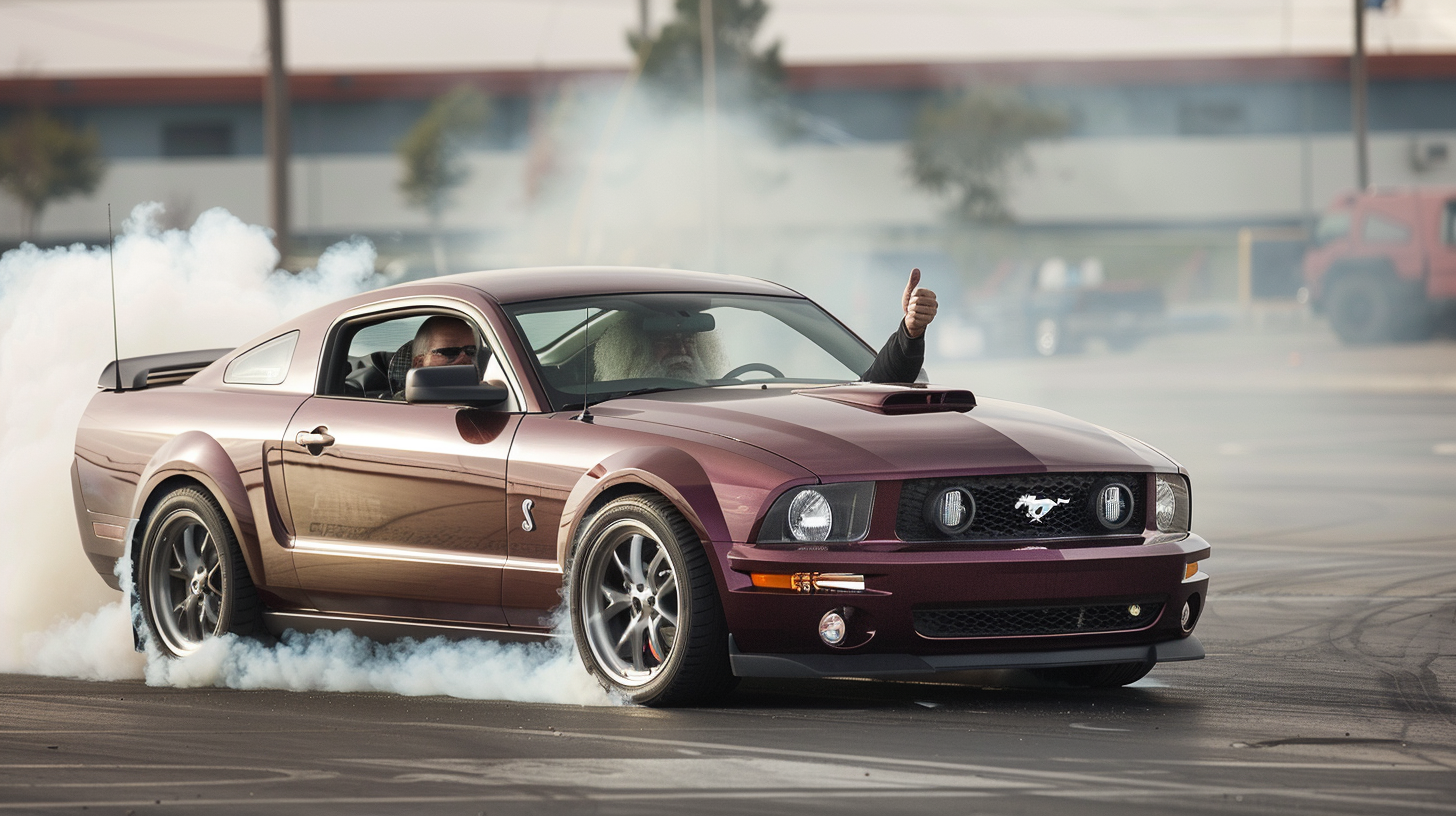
x=373 y=355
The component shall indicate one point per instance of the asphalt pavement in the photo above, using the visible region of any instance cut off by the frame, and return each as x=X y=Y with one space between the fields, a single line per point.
x=1324 y=477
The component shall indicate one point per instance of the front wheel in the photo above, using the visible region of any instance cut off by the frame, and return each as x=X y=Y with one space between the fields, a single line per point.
x=644 y=606
x=191 y=578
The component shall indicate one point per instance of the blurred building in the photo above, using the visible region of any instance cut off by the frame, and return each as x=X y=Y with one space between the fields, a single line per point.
x=1262 y=140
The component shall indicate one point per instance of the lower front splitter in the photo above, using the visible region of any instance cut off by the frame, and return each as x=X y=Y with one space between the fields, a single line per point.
x=891 y=665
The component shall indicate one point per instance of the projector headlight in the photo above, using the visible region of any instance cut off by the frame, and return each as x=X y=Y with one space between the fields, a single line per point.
x=1172 y=504
x=820 y=513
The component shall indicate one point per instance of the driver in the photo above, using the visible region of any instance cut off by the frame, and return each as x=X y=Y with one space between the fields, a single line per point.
x=442 y=341
x=628 y=351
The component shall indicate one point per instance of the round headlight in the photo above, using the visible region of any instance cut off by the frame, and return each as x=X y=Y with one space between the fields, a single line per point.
x=810 y=517
x=1113 y=505
x=1166 y=506
x=951 y=511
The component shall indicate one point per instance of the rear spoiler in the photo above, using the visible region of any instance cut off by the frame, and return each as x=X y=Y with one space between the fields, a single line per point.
x=158 y=369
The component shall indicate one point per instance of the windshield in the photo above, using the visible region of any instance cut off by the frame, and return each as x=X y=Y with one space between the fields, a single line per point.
x=607 y=346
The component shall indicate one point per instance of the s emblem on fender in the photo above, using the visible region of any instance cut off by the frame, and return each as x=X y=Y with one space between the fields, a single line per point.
x=1036 y=509
x=528 y=523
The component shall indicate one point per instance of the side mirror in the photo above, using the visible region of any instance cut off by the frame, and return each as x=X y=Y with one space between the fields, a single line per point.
x=451 y=385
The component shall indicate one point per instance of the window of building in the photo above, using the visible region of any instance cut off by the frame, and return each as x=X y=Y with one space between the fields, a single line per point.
x=1378 y=229
x=1448 y=225
x=1212 y=118
x=183 y=139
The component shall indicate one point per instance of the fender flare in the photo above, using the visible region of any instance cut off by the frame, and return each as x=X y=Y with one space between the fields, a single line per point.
x=673 y=473
x=198 y=457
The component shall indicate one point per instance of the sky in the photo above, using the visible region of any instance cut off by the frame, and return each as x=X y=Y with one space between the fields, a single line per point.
x=190 y=37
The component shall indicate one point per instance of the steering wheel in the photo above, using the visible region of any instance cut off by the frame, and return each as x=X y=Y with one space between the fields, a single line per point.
x=747 y=367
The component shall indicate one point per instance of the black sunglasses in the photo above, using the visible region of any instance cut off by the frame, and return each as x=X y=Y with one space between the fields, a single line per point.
x=451 y=352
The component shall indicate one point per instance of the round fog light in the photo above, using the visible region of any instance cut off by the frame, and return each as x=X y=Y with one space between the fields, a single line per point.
x=832 y=628
x=1189 y=616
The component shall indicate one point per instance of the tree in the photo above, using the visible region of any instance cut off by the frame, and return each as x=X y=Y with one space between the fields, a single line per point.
x=432 y=154
x=966 y=146
x=43 y=159
x=672 y=62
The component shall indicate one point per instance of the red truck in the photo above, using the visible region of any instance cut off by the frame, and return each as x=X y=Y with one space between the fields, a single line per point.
x=1383 y=263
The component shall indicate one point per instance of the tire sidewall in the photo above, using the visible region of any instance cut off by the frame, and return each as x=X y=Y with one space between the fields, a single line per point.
x=178 y=506
x=592 y=543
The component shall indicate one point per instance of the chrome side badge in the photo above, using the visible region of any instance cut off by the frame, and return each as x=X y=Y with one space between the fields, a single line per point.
x=528 y=523
x=1036 y=509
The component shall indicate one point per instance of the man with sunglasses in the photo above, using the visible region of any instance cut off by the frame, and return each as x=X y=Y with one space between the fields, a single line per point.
x=444 y=341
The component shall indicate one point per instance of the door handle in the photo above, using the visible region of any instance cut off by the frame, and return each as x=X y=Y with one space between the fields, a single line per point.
x=315 y=440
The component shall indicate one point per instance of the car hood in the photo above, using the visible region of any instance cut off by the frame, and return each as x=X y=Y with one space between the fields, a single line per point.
x=835 y=438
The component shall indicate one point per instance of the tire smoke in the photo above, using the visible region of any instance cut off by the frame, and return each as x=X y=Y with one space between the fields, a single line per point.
x=213 y=285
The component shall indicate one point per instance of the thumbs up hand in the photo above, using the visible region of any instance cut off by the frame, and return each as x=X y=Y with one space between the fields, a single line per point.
x=918 y=304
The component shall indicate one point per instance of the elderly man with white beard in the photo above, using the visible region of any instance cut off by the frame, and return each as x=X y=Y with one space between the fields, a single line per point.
x=628 y=350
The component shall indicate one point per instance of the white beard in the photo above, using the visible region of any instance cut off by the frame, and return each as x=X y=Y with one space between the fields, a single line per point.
x=681 y=367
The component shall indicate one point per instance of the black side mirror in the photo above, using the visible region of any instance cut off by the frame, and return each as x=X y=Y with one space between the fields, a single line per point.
x=451 y=385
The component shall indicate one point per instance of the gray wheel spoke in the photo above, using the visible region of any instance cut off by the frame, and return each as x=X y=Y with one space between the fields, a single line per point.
x=189 y=548
x=668 y=587
x=178 y=573
x=669 y=616
x=188 y=619
x=616 y=602
x=636 y=560
x=636 y=646
x=654 y=636
x=653 y=568
x=208 y=612
x=622 y=568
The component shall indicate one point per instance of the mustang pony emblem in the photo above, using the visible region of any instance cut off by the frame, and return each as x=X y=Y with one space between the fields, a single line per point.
x=1036 y=508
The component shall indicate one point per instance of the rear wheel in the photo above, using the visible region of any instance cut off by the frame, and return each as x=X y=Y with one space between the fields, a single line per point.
x=1109 y=675
x=191 y=578
x=644 y=606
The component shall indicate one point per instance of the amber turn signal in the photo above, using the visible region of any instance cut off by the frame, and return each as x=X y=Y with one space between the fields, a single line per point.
x=809 y=581
x=1190 y=570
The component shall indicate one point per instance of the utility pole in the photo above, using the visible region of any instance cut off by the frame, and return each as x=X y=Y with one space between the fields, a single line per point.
x=1358 y=88
x=643 y=22
x=710 y=130
x=275 y=126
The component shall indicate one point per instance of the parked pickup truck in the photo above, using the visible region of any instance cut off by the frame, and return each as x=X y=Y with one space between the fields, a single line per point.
x=1383 y=263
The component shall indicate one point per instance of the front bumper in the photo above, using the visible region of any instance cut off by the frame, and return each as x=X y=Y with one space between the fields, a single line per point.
x=900 y=665
x=782 y=624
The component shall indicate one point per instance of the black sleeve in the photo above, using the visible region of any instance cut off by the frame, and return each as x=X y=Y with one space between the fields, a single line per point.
x=900 y=360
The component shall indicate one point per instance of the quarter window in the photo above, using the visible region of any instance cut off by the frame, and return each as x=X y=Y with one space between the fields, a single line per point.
x=266 y=364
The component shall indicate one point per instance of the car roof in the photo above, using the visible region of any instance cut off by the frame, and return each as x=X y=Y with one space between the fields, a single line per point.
x=548 y=282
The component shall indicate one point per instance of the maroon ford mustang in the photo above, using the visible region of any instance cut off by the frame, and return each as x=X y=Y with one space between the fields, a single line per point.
x=689 y=460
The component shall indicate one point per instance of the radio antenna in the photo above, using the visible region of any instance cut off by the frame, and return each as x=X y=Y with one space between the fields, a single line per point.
x=586 y=350
x=115 y=341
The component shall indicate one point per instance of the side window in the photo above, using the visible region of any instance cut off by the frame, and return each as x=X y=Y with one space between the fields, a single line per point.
x=266 y=364
x=374 y=354
x=1378 y=229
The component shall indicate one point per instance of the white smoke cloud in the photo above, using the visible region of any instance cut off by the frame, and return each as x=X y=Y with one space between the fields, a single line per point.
x=210 y=286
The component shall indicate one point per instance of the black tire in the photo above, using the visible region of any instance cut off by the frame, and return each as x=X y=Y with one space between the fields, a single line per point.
x=1366 y=309
x=627 y=611
x=191 y=577
x=1110 y=675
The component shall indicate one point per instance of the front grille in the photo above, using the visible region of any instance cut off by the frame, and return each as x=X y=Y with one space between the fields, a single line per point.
x=1034 y=620
x=998 y=517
